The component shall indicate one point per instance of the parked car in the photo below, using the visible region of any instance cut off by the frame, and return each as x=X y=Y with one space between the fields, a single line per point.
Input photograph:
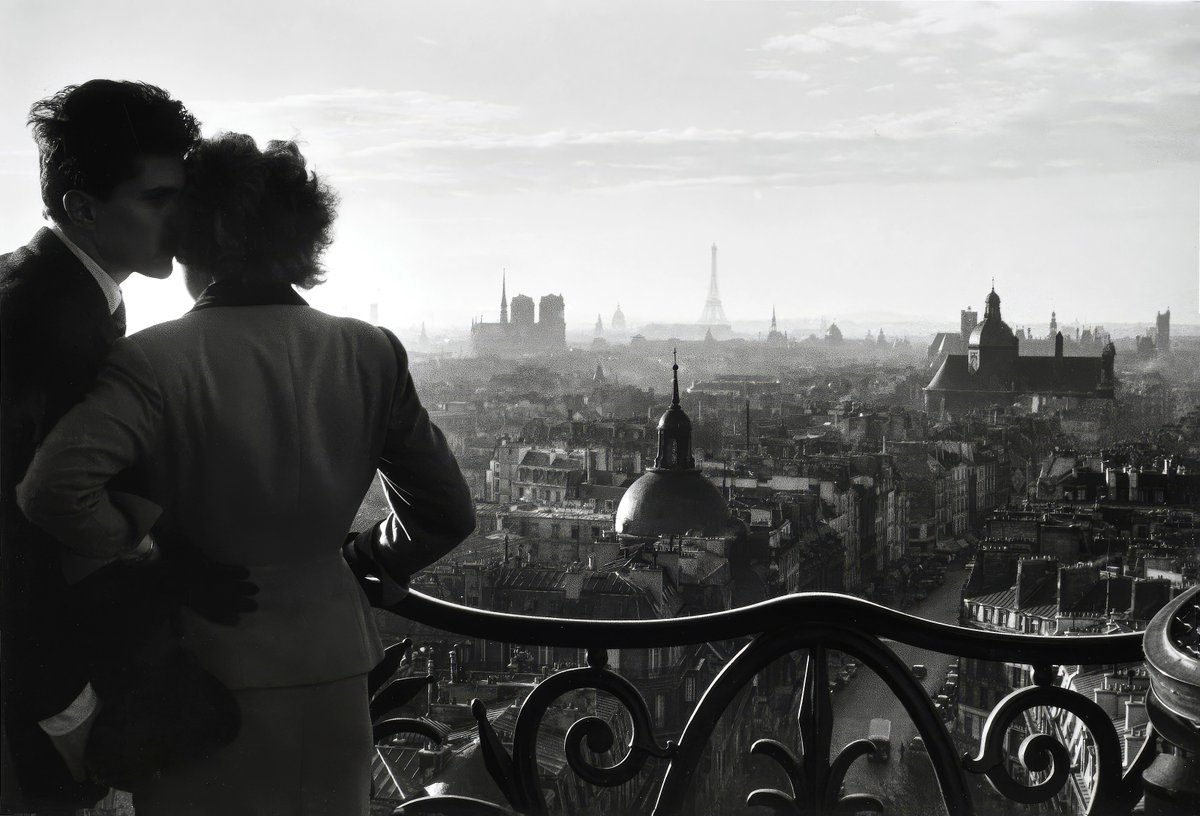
x=919 y=671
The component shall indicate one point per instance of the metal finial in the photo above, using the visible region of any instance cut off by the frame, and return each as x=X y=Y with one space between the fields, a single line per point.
x=675 y=377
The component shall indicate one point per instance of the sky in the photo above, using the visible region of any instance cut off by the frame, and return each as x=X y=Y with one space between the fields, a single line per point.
x=849 y=159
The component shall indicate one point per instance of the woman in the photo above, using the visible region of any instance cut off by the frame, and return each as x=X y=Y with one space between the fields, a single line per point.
x=257 y=424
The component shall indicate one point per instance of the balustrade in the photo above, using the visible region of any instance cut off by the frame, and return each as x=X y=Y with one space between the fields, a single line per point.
x=1163 y=773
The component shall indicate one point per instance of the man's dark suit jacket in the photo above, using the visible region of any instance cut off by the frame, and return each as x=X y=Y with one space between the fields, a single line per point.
x=55 y=329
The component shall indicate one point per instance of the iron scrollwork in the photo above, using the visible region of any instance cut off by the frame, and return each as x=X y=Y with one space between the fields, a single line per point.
x=831 y=621
x=386 y=697
x=1114 y=792
x=815 y=782
x=517 y=773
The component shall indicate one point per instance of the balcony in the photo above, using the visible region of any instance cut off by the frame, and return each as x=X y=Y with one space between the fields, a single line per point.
x=1021 y=759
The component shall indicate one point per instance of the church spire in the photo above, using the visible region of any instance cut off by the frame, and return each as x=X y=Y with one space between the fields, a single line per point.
x=675 y=378
x=503 y=297
x=674 y=431
x=774 y=328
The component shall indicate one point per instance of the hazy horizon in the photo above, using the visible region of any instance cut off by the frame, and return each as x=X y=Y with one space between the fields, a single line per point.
x=846 y=158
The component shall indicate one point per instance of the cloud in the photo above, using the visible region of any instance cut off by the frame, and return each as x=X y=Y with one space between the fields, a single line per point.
x=797 y=43
x=849 y=97
x=784 y=74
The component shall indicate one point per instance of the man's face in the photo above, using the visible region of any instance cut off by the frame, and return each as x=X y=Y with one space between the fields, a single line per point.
x=133 y=227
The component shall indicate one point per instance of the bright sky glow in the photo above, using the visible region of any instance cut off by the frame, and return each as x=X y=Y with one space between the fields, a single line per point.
x=846 y=158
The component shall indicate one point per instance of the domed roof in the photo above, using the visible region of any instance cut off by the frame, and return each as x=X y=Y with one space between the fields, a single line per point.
x=992 y=331
x=674 y=419
x=673 y=497
x=671 y=503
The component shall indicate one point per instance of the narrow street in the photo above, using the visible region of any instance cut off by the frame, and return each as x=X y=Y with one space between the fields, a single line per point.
x=906 y=783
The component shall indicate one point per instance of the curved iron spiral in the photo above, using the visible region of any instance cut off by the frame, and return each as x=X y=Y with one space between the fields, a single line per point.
x=1039 y=753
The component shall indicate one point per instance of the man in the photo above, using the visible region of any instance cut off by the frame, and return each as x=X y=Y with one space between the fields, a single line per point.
x=111 y=158
x=260 y=423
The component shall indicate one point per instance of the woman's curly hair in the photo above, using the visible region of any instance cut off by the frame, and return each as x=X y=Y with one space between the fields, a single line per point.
x=254 y=215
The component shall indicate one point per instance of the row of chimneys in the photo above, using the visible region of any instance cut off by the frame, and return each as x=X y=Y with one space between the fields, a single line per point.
x=1146 y=595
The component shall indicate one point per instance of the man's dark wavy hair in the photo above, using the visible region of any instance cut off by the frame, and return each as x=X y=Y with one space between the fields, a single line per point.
x=90 y=136
x=254 y=215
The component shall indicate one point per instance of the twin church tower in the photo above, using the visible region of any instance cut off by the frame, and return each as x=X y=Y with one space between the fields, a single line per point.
x=518 y=332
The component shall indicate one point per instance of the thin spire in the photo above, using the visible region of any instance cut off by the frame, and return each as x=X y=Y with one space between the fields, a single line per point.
x=675 y=378
x=504 y=295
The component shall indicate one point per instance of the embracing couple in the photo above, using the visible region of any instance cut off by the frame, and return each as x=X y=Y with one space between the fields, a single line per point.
x=185 y=612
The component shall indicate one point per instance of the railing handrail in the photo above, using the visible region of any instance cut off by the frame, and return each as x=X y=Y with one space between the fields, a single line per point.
x=809 y=608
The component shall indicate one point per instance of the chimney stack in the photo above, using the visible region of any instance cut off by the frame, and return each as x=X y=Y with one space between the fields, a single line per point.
x=1073 y=583
x=1032 y=574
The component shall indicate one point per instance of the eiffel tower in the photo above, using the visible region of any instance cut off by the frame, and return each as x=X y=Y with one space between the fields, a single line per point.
x=714 y=313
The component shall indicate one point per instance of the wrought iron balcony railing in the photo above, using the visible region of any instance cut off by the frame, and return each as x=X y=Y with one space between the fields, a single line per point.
x=1163 y=774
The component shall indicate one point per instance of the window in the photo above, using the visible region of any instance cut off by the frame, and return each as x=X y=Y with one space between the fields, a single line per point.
x=555 y=530
x=660 y=710
x=689 y=689
x=655 y=659
x=595 y=533
x=575 y=531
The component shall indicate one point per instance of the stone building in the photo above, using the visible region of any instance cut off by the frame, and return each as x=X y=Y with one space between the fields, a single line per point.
x=521 y=334
x=994 y=374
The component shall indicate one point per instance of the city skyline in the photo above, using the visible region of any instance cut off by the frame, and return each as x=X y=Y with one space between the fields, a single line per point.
x=846 y=159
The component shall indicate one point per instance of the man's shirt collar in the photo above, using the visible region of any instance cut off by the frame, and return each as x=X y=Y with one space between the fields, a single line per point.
x=110 y=288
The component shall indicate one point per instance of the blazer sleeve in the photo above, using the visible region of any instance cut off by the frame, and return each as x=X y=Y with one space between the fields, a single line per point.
x=430 y=502
x=66 y=488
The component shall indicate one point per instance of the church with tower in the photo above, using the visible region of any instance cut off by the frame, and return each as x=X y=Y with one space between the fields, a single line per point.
x=518 y=333
x=673 y=498
x=994 y=374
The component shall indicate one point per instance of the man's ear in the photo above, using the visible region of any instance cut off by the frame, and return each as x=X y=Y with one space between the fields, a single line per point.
x=79 y=208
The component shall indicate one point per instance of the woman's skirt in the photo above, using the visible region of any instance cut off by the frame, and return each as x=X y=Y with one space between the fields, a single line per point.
x=301 y=750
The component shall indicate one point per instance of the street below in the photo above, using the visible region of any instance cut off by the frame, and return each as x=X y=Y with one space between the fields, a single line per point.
x=906 y=782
